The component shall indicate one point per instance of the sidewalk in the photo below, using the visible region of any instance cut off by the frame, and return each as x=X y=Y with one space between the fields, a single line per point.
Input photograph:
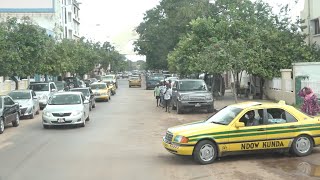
x=228 y=99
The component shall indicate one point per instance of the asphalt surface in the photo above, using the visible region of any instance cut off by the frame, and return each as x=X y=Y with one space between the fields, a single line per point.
x=123 y=141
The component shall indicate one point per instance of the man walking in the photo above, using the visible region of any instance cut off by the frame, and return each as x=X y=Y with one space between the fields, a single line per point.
x=167 y=98
x=162 y=89
x=156 y=94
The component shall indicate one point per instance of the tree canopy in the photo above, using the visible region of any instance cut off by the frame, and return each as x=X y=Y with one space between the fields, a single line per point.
x=26 y=49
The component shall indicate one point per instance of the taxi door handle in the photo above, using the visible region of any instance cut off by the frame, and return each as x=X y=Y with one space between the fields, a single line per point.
x=261 y=129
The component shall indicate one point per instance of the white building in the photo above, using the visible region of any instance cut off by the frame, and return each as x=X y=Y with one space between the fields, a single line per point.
x=311 y=15
x=60 y=18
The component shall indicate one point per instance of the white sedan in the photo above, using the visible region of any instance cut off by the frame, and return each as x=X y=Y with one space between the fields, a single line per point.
x=66 y=108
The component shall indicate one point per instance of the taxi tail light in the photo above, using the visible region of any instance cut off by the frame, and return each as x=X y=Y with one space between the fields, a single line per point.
x=184 y=140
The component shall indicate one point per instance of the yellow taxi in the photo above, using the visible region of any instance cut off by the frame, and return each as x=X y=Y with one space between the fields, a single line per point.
x=134 y=81
x=101 y=91
x=243 y=128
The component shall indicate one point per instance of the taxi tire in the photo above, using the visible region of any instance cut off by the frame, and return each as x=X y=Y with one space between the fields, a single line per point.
x=296 y=152
x=196 y=152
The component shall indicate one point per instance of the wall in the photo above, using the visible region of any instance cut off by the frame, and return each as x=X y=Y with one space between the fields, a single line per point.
x=281 y=88
x=8 y=85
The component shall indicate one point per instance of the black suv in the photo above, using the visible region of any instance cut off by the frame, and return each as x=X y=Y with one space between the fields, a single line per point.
x=191 y=94
x=73 y=82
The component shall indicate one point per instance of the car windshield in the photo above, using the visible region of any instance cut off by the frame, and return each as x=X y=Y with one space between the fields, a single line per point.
x=39 y=87
x=60 y=85
x=98 y=86
x=225 y=115
x=85 y=92
x=20 y=95
x=192 y=86
x=156 y=78
x=65 y=99
x=107 y=78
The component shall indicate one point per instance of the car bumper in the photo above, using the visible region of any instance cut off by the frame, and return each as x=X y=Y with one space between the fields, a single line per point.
x=74 y=120
x=134 y=84
x=195 y=104
x=104 y=97
x=26 y=111
x=177 y=148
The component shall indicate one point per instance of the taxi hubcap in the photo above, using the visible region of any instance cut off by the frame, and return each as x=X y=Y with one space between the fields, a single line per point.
x=206 y=152
x=303 y=144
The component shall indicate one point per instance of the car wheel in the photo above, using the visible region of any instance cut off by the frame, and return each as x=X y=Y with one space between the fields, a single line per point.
x=210 y=109
x=38 y=111
x=1 y=125
x=17 y=121
x=302 y=145
x=129 y=86
x=179 y=109
x=88 y=118
x=83 y=124
x=94 y=105
x=32 y=115
x=46 y=126
x=205 y=152
x=107 y=100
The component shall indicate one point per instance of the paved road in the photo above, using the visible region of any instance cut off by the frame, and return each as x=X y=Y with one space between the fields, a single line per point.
x=123 y=141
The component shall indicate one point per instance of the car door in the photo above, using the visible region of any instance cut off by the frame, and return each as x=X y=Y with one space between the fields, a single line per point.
x=249 y=137
x=9 y=110
x=35 y=100
x=282 y=127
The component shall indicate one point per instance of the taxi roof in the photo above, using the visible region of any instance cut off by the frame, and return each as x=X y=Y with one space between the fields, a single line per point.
x=248 y=104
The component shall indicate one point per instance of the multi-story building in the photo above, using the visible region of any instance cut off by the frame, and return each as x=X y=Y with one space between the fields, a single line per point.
x=311 y=15
x=60 y=18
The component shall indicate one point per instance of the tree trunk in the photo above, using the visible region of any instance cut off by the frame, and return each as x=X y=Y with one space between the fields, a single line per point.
x=16 y=81
x=235 y=77
x=261 y=87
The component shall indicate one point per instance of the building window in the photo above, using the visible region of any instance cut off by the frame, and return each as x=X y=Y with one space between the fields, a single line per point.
x=316 y=26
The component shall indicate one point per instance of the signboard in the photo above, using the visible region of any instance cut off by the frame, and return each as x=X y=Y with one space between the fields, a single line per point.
x=27 y=6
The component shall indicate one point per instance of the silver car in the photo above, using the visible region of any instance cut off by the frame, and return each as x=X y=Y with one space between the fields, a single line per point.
x=28 y=101
x=66 y=108
x=87 y=92
x=43 y=90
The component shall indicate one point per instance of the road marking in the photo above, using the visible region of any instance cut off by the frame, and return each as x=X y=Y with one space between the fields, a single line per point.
x=6 y=144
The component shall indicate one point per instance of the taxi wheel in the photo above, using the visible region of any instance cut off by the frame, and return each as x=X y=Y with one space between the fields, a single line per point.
x=302 y=145
x=205 y=152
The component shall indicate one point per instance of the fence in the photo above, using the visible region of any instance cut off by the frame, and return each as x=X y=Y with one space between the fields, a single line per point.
x=280 y=89
x=8 y=85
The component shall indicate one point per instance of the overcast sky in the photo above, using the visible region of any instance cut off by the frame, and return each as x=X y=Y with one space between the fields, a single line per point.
x=115 y=20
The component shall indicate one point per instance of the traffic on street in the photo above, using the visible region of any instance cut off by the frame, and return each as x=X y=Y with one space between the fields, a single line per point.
x=124 y=141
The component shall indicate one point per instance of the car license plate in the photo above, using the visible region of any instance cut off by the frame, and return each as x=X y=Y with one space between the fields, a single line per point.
x=61 y=120
x=197 y=105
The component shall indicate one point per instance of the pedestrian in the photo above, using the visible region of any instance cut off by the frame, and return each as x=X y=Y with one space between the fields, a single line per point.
x=167 y=98
x=162 y=89
x=310 y=101
x=156 y=94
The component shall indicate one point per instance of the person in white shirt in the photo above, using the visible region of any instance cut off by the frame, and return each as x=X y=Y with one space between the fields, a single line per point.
x=162 y=90
x=167 y=98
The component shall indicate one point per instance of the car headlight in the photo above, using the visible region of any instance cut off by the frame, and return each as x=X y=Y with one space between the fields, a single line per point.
x=181 y=139
x=184 y=98
x=46 y=113
x=76 y=113
x=209 y=97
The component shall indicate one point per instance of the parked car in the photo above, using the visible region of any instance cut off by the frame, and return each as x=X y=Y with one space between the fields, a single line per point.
x=191 y=94
x=152 y=81
x=9 y=112
x=28 y=101
x=62 y=86
x=246 y=128
x=73 y=82
x=43 y=91
x=101 y=91
x=87 y=92
x=111 y=78
x=134 y=81
x=66 y=108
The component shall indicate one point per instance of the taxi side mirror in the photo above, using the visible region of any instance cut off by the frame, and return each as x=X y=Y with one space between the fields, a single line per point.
x=239 y=124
